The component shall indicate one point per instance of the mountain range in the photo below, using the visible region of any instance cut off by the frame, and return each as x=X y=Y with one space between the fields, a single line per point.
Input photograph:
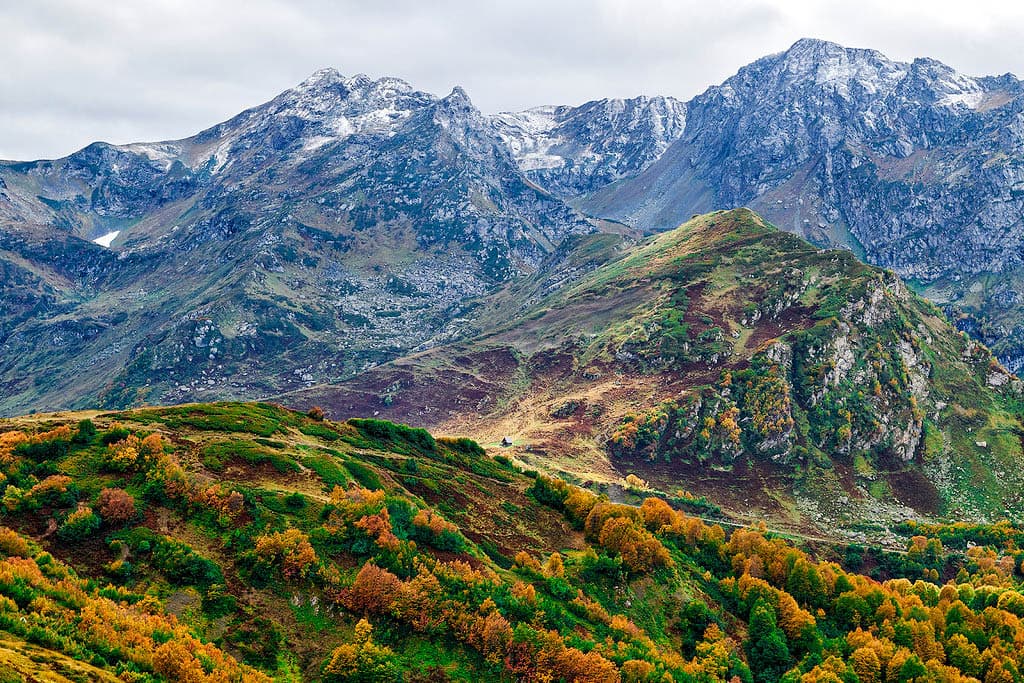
x=334 y=227
x=913 y=166
x=348 y=221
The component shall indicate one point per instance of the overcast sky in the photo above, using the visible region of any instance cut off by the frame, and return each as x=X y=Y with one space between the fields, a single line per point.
x=75 y=71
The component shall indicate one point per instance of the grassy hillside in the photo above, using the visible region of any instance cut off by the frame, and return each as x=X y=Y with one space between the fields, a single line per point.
x=242 y=542
x=736 y=362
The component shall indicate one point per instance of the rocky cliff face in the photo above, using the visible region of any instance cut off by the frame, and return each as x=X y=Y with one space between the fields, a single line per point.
x=339 y=224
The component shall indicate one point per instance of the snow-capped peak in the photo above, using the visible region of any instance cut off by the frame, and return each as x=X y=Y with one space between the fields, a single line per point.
x=834 y=67
x=326 y=108
x=861 y=78
x=570 y=150
x=320 y=78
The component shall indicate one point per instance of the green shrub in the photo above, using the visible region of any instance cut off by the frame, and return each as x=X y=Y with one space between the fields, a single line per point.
x=363 y=474
x=217 y=602
x=43 y=450
x=185 y=567
x=80 y=524
x=401 y=438
x=182 y=565
x=262 y=419
x=504 y=462
x=464 y=446
x=320 y=430
x=327 y=469
x=216 y=456
x=550 y=492
x=115 y=434
x=86 y=432
x=295 y=501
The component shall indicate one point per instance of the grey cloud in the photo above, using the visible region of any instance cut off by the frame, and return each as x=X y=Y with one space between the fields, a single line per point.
x=77 y=71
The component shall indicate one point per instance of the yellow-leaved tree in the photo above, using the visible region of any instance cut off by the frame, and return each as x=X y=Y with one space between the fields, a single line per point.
x=361 y=660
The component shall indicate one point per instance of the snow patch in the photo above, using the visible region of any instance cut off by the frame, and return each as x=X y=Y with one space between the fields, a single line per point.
x=971 y=100
x=536 y=121
x=342 y=127
x=108 y=239
x=533 y=161
x=162 y=154
x=382 y=120
x=529 y=135
x=316 y=142
x=220 y=156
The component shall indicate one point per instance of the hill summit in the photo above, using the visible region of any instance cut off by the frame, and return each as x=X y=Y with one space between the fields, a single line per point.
x=733 y=359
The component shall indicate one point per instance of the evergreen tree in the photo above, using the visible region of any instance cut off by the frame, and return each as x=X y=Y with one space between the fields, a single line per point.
x=766 y=646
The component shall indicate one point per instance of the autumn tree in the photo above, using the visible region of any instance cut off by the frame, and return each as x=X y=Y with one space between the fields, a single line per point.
x=866 y=665
x=637 y=671
x=435 y=530
x=554 y=566
x=133 y=453
x=578 y=505
x=175 y=662
x=373 y=591
x=526 y=561
x=362 y=660
x=291 y=549
x=491 y=634
x=378 y=527
x=13 y=544
x=116 y=506
x=640 y=551
x=657 y=514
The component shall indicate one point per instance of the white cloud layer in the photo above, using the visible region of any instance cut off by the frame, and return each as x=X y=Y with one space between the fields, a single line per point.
x=75 y=71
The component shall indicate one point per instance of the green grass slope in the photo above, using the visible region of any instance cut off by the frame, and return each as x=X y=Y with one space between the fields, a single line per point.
x=247 y=542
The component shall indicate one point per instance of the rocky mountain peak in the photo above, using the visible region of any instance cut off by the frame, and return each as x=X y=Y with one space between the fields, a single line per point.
x=913 y=165
x=574 y=150
x=458 y=95
x=819 y=65
x=321 y=78
x=328 y=94
x=458 y=105
x=946 y=86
